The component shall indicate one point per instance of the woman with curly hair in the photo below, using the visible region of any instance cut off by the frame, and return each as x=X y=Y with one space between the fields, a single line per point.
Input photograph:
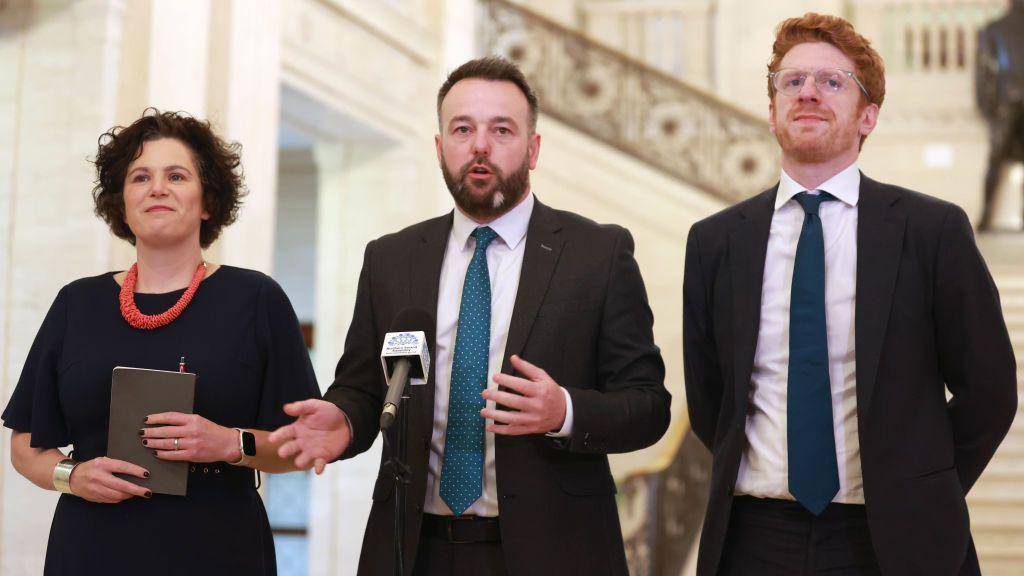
x=168 y=185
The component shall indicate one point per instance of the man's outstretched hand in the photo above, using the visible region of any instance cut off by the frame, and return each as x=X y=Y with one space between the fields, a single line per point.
x=319 y=436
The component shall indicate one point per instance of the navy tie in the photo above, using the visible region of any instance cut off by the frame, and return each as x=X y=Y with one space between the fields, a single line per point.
x=463 y=469
x=813 y=470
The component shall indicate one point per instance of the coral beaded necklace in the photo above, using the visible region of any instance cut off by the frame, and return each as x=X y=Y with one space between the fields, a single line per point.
x=142 y=321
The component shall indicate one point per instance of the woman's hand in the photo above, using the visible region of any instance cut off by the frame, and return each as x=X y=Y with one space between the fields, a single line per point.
x=94 y=481
x=189 y=438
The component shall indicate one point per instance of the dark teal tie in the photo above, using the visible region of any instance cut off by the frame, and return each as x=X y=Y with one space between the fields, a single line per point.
x=462 y=472
x=813 y=471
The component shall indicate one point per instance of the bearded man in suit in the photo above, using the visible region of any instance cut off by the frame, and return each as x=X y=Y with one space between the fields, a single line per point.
x=540 y=313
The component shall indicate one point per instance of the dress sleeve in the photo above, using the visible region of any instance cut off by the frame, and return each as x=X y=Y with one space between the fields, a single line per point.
x=35 y=405
x=287 y=370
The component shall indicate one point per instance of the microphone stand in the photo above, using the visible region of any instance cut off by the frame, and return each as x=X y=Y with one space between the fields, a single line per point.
x=400 y=473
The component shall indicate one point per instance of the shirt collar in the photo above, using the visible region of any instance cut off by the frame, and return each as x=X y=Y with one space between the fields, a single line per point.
x=845 y=186
x=510 y=226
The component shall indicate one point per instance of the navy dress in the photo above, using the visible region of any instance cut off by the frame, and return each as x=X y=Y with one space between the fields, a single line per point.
x=241 y=338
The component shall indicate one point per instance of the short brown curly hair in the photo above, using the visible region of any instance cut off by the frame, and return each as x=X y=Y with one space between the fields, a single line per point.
x=219 y=164
x=812 y=27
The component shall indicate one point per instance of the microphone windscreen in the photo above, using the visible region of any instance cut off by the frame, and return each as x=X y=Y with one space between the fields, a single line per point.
x=414 y=319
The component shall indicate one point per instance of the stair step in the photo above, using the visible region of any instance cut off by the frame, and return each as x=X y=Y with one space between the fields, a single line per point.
x=1006 y=462
x=998 y=539
x=1005 y=465
x=1010 y=282
x=1014 y=441
x=999 y=551
x=998 y=489
x=985 y=515
x=996 y=502
x=986 y=500
x=1011 y=276
x=1002 y=566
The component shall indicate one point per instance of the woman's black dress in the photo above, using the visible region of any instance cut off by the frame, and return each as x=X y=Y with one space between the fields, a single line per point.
x=241 y=338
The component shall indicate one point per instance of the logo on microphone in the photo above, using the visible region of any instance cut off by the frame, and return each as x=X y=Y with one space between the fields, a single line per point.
x=411 y=345
x=403 y=339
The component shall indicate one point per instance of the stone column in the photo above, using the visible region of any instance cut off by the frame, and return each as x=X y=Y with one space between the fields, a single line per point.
x=459 y=43
x=243 y=103
x=346 y=223
x=367 y=188
x=219 y=61
x=59 y=63
x=164 y=47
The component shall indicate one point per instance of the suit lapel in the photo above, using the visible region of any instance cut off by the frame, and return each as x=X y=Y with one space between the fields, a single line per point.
x=880 y=226
x=542 y=250
x=748 y=246
x=426 y=259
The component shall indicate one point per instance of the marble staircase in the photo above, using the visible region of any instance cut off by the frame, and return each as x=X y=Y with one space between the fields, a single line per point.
x=996 y=502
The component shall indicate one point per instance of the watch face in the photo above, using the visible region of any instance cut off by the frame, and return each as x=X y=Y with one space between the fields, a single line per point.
x=248 y=443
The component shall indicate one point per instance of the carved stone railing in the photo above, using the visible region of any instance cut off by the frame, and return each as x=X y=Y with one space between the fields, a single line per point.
x=686 y=132
x=662 y=512
x=924 y=37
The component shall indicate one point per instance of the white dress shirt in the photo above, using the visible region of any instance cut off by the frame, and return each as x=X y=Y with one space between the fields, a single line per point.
x=764 y=467
x=504 y=263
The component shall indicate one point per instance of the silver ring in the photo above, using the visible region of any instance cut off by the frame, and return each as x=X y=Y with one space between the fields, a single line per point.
x=176 y=444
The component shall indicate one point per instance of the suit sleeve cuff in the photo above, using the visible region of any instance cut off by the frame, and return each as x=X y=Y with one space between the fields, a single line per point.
x=566 y=429
x=352 y=434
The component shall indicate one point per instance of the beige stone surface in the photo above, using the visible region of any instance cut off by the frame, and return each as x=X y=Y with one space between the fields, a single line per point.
x=357 y=81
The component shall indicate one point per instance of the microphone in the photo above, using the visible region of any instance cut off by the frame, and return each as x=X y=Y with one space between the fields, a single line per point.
x=405 y=355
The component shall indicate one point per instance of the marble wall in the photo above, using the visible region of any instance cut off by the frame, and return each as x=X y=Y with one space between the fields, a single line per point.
x=350 y=84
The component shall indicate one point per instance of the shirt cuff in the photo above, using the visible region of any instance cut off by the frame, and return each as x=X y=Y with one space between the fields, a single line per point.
x=566 y=429
x=351 y=432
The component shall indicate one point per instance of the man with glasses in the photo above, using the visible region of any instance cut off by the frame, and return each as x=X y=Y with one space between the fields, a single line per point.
x=824 y=321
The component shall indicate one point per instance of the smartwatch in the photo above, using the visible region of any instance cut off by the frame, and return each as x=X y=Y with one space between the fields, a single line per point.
x=246 y=445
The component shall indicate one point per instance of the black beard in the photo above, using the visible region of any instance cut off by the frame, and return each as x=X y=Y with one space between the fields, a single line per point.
x=505 y=191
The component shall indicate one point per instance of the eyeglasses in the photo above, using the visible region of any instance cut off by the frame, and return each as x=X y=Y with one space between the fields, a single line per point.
x=829 y=81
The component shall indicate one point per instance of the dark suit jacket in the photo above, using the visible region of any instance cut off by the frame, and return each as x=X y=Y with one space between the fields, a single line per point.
x=581 y=314
x=927 y=318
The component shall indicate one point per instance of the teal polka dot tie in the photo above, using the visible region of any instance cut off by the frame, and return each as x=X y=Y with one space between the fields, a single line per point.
x=462 y=472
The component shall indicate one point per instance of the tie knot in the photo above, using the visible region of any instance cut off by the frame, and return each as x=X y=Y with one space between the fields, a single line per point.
x=811 y=202
x=484 y=236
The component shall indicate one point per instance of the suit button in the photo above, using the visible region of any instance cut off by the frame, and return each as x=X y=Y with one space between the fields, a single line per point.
x=507 y=496
x=419 y=508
